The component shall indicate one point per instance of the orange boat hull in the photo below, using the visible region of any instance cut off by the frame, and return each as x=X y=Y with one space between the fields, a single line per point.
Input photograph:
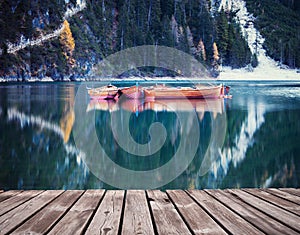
x=134 y=92
x=103 y=93
x=182 y=93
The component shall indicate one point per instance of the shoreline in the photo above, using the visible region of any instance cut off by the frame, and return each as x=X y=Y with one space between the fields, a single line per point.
x=228 y=75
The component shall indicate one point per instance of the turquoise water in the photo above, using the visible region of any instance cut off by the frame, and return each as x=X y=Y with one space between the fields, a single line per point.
x=251 y=140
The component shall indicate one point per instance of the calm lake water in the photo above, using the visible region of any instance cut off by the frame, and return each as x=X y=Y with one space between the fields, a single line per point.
x=47 y=142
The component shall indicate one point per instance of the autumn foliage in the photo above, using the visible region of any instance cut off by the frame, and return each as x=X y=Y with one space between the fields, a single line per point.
x=67 y=42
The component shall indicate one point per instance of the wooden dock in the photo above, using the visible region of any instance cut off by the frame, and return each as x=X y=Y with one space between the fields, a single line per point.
x=234 y=211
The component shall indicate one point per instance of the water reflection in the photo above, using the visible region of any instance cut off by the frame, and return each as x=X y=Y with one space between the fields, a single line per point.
x=176 y=136
x=261 y=147
x=214 y=106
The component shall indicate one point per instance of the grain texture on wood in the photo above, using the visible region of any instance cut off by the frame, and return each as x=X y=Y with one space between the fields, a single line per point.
x=166 y=217
x=77 y=218
x=284 y=195
x=277 y=201
x=265 y=223
x=273 y=211
x=292 y=191
x=41 y=222
x=108 y=216
x=17 y=200
x=196 y=218
x=20 y=214
x=137 y=218
x=230 y=220
x=236 y=211
x=8 y=194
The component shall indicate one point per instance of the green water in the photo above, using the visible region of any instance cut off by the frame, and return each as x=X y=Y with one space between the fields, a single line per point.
x=260 y=135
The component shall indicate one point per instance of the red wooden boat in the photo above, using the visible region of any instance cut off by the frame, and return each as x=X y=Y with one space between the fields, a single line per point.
x=103 y=93
x=198 y=92
x=134 y=92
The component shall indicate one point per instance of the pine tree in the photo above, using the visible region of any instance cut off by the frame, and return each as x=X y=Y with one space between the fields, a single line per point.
x=167 y=8
x=222 y=28
x=254 y=61
x=154 y=20
x=167 y=36
x=141 y=22
x=127 y=31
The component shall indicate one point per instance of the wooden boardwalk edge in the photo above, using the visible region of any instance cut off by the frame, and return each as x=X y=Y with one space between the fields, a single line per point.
x=230 y=211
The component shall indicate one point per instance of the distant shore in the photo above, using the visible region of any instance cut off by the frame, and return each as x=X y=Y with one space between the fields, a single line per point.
x=226 y=75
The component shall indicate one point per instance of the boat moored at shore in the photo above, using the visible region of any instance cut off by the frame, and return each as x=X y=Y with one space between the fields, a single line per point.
x=197 y=92
x=103 y=93
x=133 y=92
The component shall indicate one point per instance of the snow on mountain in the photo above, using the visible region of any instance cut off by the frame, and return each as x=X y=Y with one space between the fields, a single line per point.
x=267 y=68
x=243 y=140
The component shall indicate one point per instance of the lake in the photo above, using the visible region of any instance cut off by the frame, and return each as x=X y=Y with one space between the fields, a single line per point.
x=53 y=137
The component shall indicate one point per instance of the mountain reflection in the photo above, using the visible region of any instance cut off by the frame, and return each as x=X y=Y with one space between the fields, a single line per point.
x=37 y=149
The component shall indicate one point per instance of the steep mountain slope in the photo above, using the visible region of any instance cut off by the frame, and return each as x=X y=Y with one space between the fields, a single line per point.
x=279 y=23
x=202 y=28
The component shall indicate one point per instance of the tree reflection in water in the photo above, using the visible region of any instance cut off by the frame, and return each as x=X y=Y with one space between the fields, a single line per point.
x=37 y=150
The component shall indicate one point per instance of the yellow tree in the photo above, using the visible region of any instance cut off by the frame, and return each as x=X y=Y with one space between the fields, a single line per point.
x=201 y=50
x=216 y=58
x=67 y=42
x=216 y=53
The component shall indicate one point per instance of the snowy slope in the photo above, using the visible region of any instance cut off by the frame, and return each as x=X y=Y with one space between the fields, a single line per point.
x=267 y=68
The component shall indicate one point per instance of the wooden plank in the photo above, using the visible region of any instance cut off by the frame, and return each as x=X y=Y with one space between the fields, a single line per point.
x=230 y=220
x=137 y=218
x=17 y=200
x=41 y=222
x=196 y=218
x=265 y=223
x=277 y=201
x=284 y=195
x=108 y=216
x=8 y=194
x=17 y=216
x=76 y=220
x=291 y=191
x=167 y=220
x=289 y=219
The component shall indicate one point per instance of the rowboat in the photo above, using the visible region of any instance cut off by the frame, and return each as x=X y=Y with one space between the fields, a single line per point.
x=133 y=92
x=198 y=92
x=103 y=93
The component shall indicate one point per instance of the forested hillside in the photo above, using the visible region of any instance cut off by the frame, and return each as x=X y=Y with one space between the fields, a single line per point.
x=104 y=27
x=279 y=22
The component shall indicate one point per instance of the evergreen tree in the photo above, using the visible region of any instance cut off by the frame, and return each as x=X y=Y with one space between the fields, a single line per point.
x=200 y=23
x=127 y=35
x=167 y=8
x=167 y=35
x=222 y=28
x=254 y=61
x=141 y=10
x=154 y=20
